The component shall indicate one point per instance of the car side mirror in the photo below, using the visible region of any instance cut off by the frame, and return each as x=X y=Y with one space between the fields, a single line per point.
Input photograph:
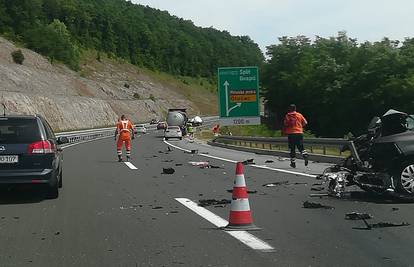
x=62 y=140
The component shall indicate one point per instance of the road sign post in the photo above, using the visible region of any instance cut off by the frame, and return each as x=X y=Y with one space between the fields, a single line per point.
x=238 y=90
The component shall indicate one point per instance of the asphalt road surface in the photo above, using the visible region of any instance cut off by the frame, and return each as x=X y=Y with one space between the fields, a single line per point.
x=108 y=214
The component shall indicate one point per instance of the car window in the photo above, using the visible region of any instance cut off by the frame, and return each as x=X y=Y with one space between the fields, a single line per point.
x=19 y=130
x=48 y=129
x=410 y=122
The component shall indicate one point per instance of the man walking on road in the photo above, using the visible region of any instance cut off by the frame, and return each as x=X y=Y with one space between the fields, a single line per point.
x=124 y=128
x=293 y=126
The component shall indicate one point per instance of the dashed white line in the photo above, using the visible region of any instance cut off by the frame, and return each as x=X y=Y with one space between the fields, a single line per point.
x=243 y=236
x=130 y=165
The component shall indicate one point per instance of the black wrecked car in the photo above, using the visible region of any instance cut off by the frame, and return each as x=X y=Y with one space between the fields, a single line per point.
x=30 y=153
x=381 y=161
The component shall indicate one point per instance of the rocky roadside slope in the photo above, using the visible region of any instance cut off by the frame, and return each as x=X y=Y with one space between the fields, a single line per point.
x=94 y=97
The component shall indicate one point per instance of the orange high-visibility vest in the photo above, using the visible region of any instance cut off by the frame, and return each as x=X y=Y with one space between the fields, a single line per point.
x=124 y=128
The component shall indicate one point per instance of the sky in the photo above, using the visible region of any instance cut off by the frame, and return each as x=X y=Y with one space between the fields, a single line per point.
x=267 y=20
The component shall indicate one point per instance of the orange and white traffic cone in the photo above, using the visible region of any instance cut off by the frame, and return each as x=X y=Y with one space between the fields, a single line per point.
x=240 y=215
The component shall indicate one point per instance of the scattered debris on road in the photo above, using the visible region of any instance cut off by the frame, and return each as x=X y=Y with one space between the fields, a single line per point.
x=213 y=202
x=380 y=225
x=201 y=164
x=318 y=188
x=269 y=161
x=313 y=205
x=357 y=216
x=168 y=160
x=178 y=164
x=168 y=170
x=274 y=184
x=395 y=209
x=248 y=162
x=320 y=195
x=157 y=208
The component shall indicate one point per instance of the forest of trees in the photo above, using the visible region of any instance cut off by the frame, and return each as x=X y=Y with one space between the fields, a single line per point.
x=337 y=83
x=142 y=35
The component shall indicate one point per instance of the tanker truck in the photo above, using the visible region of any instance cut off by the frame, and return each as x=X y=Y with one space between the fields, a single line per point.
x=178 y=117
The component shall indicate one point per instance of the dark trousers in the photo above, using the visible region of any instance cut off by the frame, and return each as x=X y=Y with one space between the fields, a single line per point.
x=296 y=140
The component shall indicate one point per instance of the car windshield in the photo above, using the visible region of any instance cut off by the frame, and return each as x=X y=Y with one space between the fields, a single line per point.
x=18 y=130
x=410 y=122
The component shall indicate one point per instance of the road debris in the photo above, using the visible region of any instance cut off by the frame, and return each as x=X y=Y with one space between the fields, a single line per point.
x=178 y=164
x=313 y=205
x=395 y=209
x=213 y=202
x=157 y=208
x=318 y=188
x=357 y=216
x=274 y=184
x=282 y=159
x=269 y=161
x=168 y=170
x=168 y=160
x=248 y=162
x=201 y=164
x=319 y=195
x=380 y=225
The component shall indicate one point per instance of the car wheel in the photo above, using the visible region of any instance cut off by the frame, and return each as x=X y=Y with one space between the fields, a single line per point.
x=53 y=188
x=405 y=179
x=61 y=179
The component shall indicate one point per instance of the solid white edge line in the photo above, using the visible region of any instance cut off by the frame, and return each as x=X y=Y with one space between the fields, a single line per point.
x=130 y=165
x=243 y=236
x=253 y=165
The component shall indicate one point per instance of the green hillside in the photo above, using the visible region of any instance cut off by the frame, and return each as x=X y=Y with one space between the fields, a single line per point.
x=142 y=35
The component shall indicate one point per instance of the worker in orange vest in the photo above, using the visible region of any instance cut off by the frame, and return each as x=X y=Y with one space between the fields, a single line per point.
x=293 y=127
x=124 y=129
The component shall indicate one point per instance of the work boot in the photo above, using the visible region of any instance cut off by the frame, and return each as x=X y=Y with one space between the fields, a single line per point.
x=293 y=164
x=306 y=160
x=128 y=158
x=119 y=158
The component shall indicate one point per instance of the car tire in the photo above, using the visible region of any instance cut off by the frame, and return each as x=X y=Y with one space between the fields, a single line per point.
x=53 y=189
x=61 y=179
x=404 y=179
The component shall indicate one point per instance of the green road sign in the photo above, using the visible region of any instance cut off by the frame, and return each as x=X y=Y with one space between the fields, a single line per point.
x=238 y=89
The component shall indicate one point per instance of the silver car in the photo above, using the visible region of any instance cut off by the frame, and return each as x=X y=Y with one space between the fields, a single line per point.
x=173 y=132
x=140 y=129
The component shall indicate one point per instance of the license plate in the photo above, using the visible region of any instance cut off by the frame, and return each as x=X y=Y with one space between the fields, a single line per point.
x=9 y=159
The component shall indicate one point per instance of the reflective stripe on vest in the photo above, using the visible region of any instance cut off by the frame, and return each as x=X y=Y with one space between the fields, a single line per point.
x=124 y=126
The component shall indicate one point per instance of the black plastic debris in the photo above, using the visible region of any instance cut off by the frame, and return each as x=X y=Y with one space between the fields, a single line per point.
x=318 y=188
x=269 y=161
x=313 y=205
x=57 y=233
x=168 y=160
x=395 y=209
x=179 y=164
x=319 y=177
x=168 y=170
x=194 y=151
x=157 y=208
x=248 y=162
x=169 y=149
x=213 y=202
x=357 y=216
x=380 y=225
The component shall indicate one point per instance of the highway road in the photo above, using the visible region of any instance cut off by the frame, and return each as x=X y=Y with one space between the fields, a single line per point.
x=111 y=214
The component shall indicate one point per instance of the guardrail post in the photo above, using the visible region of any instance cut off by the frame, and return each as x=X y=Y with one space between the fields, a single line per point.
x=324 y=150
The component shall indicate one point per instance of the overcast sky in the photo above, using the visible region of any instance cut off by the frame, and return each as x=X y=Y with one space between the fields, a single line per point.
x=266 y=20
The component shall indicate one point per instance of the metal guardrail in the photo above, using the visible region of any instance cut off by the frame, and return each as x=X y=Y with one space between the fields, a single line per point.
x=273 y=145
x=278 y=141
x=87 y=135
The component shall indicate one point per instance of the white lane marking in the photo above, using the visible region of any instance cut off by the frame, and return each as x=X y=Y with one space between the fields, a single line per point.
x=243 y=236
x=130 y=165
x=253 y=165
